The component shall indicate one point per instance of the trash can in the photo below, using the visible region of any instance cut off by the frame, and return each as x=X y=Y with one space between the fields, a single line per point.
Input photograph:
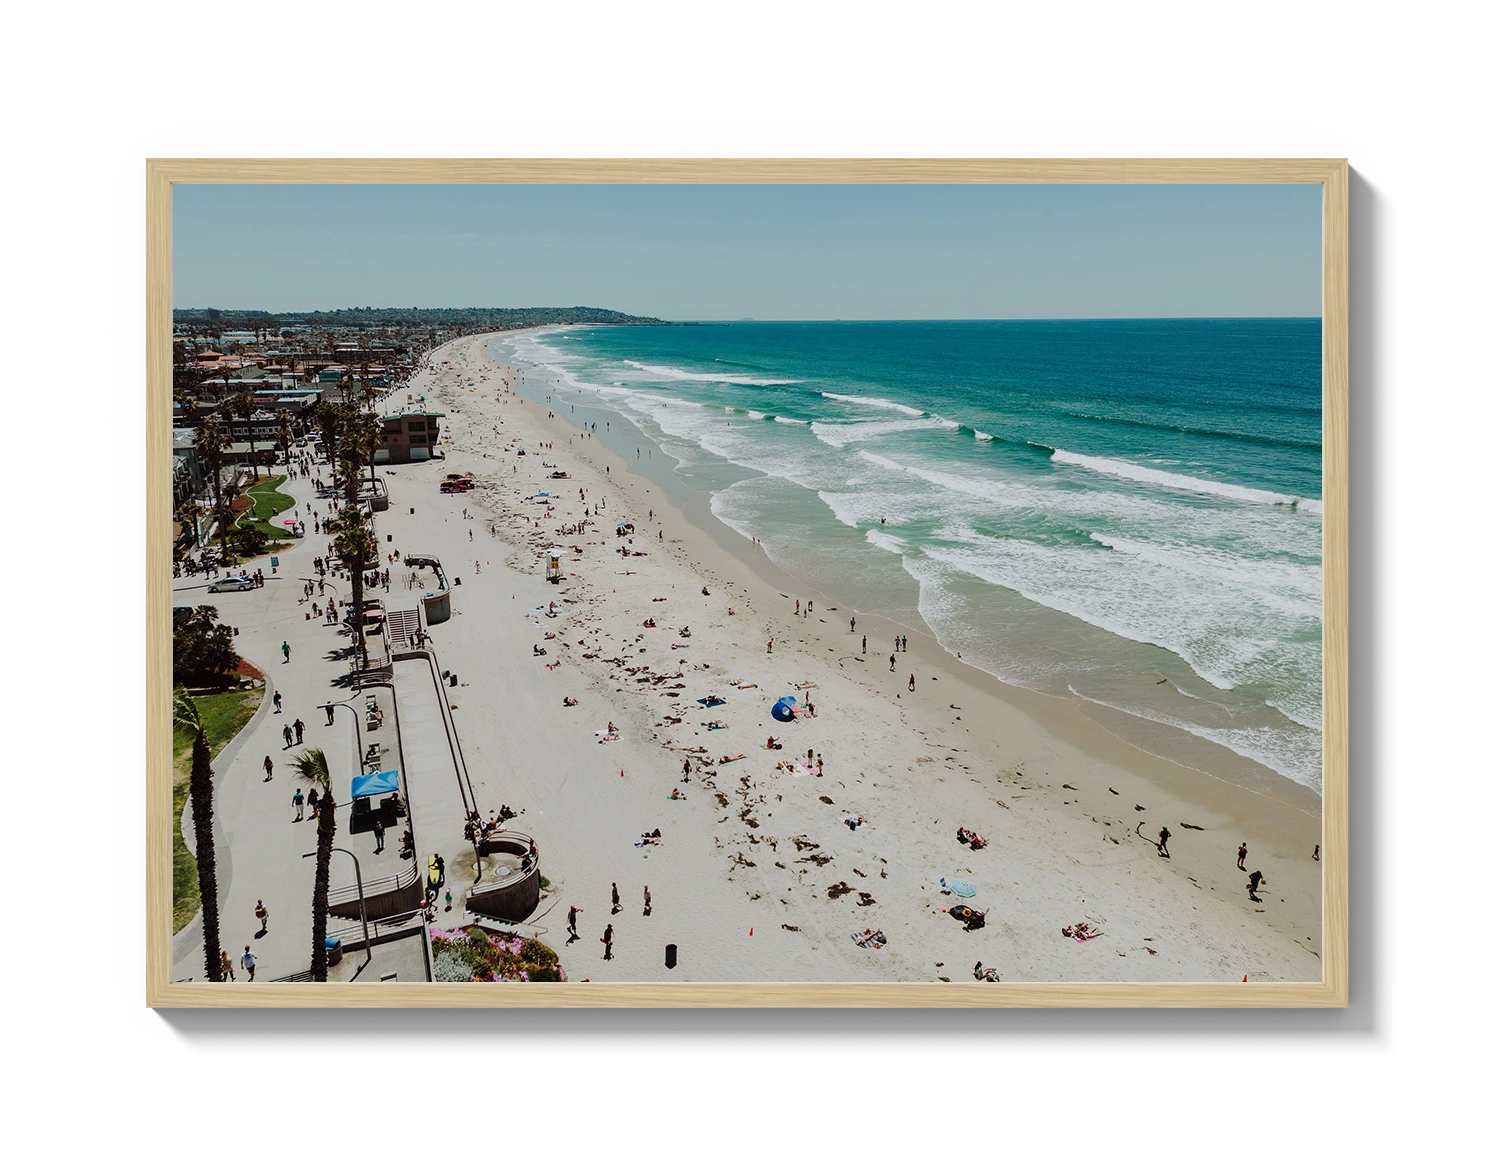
x=671 y=955
x=335 y=950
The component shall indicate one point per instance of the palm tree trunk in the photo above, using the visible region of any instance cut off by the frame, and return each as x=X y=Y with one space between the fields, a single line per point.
x=327 y=826
x=201 y=794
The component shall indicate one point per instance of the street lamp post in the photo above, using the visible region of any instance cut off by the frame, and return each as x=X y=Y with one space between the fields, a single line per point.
x=364 y=919
x=358 y=739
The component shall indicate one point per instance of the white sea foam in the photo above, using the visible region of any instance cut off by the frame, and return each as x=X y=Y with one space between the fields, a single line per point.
x=1287 y=753
x=981 y=437
x=673 y=374
x=1187 y=483
x=885 y=540
x=886 y=403
x=795 y=422
x=842 y=434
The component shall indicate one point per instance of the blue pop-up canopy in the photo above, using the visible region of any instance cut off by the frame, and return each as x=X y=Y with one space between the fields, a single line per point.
x=784 y=710
x=375 y=784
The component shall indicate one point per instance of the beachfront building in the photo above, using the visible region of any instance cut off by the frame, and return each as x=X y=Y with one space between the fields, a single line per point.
x=409 y=438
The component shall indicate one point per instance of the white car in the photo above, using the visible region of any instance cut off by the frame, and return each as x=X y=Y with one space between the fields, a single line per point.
x=231 y=585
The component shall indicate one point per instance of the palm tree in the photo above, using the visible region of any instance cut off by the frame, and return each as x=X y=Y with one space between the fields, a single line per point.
x=284 y=432
x=185 y=717
x=243 y=404
x=312 y=765
x=189 y=512
x=356 y=545
x=210 y=443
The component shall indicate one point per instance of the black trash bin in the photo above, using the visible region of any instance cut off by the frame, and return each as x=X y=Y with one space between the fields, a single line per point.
x=671 y=955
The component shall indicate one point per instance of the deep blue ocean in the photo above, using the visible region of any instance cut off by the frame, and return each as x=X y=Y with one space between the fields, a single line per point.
x=1080 y=507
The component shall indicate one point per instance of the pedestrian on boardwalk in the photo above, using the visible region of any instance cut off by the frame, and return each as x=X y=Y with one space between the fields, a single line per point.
x=646 y=913
x=614 y=898
x=379 y=836
x=286 y=652
x=226 y=967
x=276 y=698
x=572 y=925
x=297 y=802
x=262 y=916
x=298 y=726
x=269 y=766
x=247 y=961
x=609 y=942
x=286 y=734
x=1240 y=864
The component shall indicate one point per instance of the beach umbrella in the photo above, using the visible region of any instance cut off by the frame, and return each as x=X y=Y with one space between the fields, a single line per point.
x=959 y=886
x=784 y=710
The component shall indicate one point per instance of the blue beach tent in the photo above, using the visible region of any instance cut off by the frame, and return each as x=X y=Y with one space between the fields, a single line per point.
x=375 y=784
x=785 y=709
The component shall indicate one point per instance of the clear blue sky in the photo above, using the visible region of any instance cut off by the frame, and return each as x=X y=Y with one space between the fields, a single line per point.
x=770 y=252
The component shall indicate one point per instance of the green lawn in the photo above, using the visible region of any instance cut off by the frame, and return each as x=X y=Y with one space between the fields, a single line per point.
x=223 y=716
x=267 y=503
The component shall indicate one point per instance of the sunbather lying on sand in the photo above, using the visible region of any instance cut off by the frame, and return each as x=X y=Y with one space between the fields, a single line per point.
x=731 y=759
x=715 y=725
x=970 y=838
x=870 y=938
x=676 y=795
x=567 y=702
x=1082 y=931
x=854 y=821
x=985 y=974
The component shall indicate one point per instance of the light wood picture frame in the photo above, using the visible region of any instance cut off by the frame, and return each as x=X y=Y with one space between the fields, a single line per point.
x=156 y=165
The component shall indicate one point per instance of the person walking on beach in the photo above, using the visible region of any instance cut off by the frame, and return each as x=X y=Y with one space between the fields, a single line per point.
x=769 y=642
x=297 y=802
x=572 y=925
x=286 y=652
x=263 y=917
x=276 y=698
x=609 y=942
x=1161 y=843
x=247 y=961
x=864 y=643
x=911 y=682
x=893 y=664
x=903 y=643
x=614 y=898
x=851 y=625
x=1257 y=879
x=1316 y=850
x=379 y=836
x=298 y=726
x=646 y=913
x=269 y=766
x=1240 y=863
x=687 y=767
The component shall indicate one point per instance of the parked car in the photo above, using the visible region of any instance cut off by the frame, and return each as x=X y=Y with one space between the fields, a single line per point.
x=231 y=585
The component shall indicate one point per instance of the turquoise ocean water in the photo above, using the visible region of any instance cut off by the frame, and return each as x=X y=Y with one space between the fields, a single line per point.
x=1078 y=507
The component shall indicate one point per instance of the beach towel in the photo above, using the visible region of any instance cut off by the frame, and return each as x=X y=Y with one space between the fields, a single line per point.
x=713 y=702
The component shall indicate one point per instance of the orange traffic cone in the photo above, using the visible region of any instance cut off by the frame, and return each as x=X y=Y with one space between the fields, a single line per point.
x=752 y=932
x=1246 y=979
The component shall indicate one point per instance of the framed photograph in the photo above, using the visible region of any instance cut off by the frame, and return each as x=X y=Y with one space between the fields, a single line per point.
x=914 y=583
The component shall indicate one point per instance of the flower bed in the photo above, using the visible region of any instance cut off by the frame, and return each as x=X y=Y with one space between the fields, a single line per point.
x=477 y=954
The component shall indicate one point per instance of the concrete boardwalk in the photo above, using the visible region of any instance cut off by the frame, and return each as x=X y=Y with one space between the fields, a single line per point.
x=259 y=842
x=432 y=778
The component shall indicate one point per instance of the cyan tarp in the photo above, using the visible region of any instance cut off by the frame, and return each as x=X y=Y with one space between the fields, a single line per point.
x=375 y=784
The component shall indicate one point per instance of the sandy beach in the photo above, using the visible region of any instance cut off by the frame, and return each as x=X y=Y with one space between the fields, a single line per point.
x=765 y=870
